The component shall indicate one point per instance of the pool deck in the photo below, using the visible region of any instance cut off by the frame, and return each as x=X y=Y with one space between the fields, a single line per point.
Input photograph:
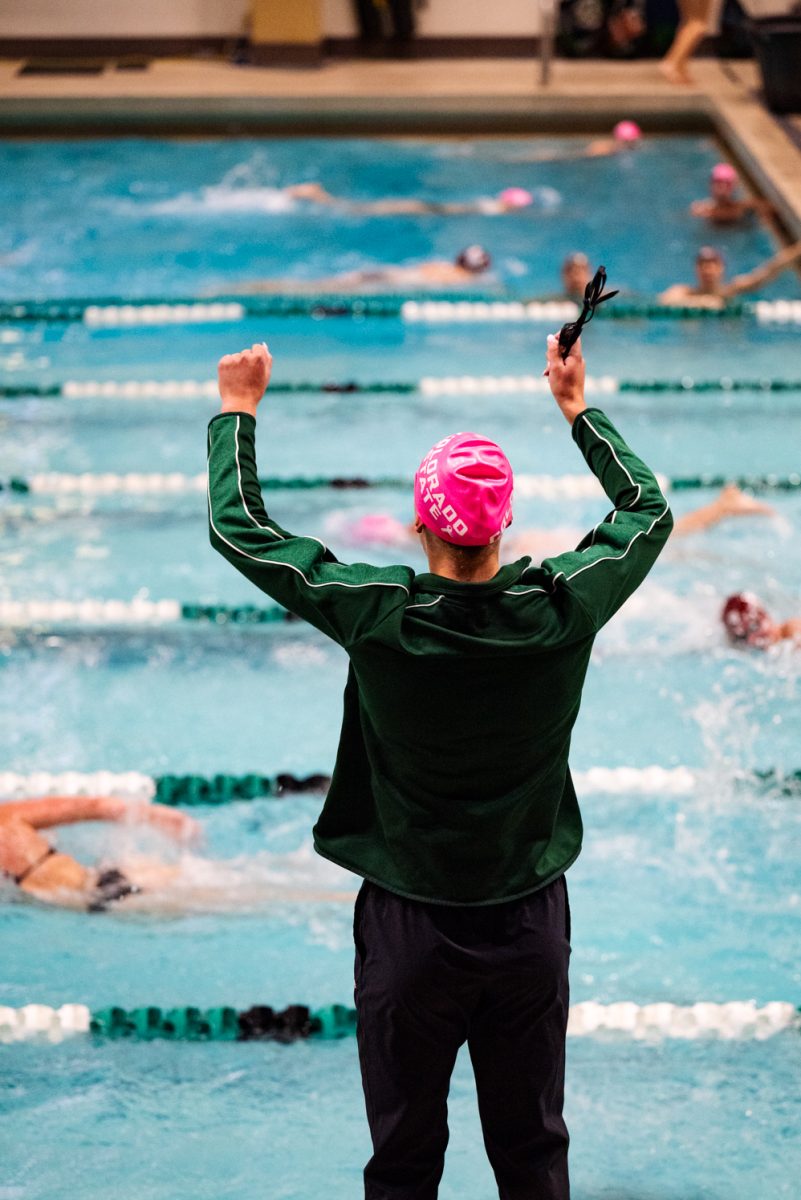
x=439 y=95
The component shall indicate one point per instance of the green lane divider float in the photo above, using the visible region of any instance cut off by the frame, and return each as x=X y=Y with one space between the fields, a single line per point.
x=185 y=791
x=751 y=483
x=224 y=1024
x=241 y=614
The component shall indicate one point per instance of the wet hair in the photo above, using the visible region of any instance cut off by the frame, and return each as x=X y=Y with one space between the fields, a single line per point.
x=474 y=259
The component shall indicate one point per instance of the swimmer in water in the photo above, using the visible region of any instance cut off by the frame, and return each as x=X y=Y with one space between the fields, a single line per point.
x=383 y=529
x=511 y=199
x=723 y=206
x=711 y=290
x=575 y=276
x=749 y=625
x=43 y=873
x=625 y=137
x=469 y=265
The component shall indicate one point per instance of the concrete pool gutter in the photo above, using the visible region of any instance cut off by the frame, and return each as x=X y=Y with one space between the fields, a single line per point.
x=450 y=97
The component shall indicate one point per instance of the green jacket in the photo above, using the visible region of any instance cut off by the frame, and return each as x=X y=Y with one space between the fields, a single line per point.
x=451 y=781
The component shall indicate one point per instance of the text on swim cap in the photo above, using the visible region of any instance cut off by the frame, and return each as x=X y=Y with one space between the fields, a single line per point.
x=433 y=499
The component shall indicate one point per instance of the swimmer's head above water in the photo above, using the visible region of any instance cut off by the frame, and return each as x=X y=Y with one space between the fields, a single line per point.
x=463 y=490
x=575 y=275
x=709 y=268
x=474 y=259
x=723 y=180
x=747 y=621
x=627 y=133
x=515 y=197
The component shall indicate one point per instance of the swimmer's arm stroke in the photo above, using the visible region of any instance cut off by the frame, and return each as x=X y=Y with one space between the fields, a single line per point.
x=614 y=558
x=344 y=601
x=762 y=274
x=49 y=811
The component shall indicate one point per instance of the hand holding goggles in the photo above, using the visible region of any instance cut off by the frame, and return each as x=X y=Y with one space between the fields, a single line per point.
x=593 y=296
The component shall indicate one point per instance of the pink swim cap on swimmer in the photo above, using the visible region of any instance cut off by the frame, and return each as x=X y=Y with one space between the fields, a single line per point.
x=463 y=490
x=516 y=197
x=379 y=529
x=746 y=620
x=627 y=131
x=724 y=173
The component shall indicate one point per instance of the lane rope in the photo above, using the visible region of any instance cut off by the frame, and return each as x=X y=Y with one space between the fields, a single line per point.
x=542 y=487
x=429 y=385
x=15 y=614
x=735 y=1020
x=453 y=308
x=188 y=790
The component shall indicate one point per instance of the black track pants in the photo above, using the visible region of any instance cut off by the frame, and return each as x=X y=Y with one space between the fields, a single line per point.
x=430 y=977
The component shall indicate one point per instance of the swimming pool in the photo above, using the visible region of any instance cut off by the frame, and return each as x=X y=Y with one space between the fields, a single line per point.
x=675 y=898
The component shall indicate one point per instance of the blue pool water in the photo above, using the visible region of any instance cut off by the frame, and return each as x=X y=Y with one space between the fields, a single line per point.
x=674 y=898
x=144 y=218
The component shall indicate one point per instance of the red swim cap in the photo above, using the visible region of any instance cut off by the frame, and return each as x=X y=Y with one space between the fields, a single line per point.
x=463 y=490
x=746 y=620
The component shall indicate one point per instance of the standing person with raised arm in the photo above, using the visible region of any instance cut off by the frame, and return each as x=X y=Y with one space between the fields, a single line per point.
x=452 y=795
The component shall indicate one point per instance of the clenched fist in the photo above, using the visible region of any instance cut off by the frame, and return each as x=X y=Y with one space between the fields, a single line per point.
x=243 y=378
x=566 y=377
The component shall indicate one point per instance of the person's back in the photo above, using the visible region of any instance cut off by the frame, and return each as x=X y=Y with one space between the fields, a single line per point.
x=451 y=794
x=466 y=747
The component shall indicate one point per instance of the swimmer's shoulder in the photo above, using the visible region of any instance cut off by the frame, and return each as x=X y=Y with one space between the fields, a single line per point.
x=677 y=293
x=684 y=294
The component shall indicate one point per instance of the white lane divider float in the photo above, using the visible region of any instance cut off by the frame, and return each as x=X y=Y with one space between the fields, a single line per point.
x=779 y=312
x=138 y=389
x=735 y=1020
x=492 y=385
x=555 y=312
x=110 y=315
x=40 y=1023
x=55 y=483
x=16 y=786
x=16 y=614
x=644 y=1022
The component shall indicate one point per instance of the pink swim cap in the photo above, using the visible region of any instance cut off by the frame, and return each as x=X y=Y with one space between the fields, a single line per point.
x=724 y=173
x=463 y=490
x=516 y=197
x=627 y=131
x=379 y=528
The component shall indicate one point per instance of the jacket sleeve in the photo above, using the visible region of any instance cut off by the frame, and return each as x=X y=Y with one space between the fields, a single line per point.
x=613 y=559
x=344 y=601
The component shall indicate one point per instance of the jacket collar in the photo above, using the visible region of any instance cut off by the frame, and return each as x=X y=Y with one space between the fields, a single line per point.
x=506 y=576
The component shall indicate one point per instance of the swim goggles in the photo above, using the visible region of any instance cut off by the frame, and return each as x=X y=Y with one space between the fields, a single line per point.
x=593 y=296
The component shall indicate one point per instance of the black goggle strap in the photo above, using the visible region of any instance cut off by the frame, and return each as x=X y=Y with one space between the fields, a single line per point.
x=593 y=296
